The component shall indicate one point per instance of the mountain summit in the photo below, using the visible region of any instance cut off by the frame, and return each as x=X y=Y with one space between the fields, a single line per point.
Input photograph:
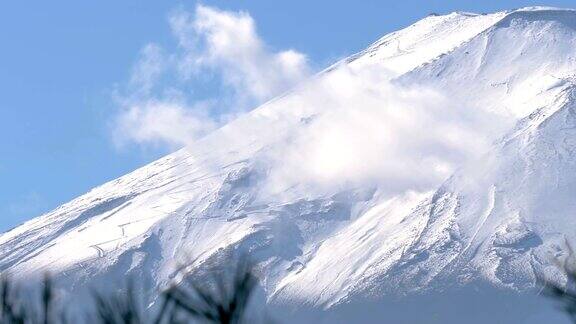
x=440 y=155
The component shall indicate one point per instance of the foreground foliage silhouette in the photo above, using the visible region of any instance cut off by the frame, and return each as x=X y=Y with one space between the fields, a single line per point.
x=565 y=295
x=221 y=299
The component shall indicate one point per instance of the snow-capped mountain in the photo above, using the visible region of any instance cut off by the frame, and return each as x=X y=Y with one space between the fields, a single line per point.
x=472 y=175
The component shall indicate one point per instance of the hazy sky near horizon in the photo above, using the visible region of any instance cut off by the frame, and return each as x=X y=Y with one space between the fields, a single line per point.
x=80 y=80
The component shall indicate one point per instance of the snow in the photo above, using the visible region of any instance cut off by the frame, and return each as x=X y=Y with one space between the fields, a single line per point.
x=496 y=211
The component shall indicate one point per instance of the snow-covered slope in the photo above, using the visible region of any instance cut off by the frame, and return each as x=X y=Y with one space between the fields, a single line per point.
x=498 y=211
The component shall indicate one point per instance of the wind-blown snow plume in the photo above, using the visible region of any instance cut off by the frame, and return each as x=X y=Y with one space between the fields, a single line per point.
x=362 y=127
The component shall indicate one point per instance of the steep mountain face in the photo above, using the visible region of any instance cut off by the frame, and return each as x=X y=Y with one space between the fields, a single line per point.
x=498 y=212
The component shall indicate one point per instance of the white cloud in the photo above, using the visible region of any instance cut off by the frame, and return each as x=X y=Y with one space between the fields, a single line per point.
x=227 y=43
x=148 y=70
x=366 y=130
x=162 y=123
x=224 y=45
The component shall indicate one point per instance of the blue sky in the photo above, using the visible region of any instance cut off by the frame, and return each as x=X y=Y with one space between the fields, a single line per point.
x=70 y=69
